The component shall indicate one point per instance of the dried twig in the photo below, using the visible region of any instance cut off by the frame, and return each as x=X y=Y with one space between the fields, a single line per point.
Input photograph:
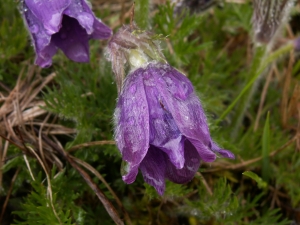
x=9 y=193
x=99 y=176
x=88 y=144
x=285 y=92
x=106 y=203
x=251 y=161
x=262 y=99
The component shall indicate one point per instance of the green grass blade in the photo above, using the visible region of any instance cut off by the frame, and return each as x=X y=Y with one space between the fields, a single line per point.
x=142 y=13
x=274 y=56
x=260 y=182
x=266 y=150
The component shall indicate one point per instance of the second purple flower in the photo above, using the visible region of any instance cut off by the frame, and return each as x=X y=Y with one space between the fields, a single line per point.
x=62 y=24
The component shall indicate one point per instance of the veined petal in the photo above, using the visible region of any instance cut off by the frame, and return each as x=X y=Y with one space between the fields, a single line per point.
x=184 y=107
x=223 y=152
x=164 y=132
x=44 y=57
x=153 y=168
x=72 y=39
x=206 y=154
x=182 y=103
x=101 y=31
x=81 y=11
x=49 y=12
x=191 y=165
x=132 y=124
x=40 y=38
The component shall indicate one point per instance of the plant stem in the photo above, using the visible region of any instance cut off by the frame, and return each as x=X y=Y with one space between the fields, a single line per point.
x=260 y=63
x=142 y=13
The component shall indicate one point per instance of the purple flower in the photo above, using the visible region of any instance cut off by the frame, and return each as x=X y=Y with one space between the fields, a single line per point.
x=161 y=127
x=64 y=24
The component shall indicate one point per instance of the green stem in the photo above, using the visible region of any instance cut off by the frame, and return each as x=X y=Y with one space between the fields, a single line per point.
x=260 y=63
x=142 y=14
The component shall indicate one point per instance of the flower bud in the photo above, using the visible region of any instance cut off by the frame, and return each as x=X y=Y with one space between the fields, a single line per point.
x=268 y=16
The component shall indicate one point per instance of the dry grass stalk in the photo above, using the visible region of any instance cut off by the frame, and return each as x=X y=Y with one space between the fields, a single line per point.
x=20 y=111
x=24 y=123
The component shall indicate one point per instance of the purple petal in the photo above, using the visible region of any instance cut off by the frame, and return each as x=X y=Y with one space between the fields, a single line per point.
x=44 y=57
x=72 y=39
x=153 y=168
x=206 y=154
x=223 y=152
x=101 y=31
x=132 y=124
x=191 y=165
x=49 y=12
x=82 y=13
x=80 y=10
x=184 y=107
x=164 y=133
x=41 y=40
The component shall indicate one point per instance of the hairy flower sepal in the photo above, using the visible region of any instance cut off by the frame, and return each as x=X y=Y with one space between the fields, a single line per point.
x=62 y=24
x=268 y=16
x=135 y=47
x=161 y=127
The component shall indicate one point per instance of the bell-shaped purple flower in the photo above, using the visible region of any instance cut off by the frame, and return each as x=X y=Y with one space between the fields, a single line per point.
x=161 y=127
x=64 y=24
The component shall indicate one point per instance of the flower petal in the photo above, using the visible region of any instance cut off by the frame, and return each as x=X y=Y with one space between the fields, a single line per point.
x=41 y=40
x=49 y=12
x=153 y=168
x=81 y=11
x=182 y=102
x=44 y=57
x=72 y=39
x=164 y=132
x=101 y=31
x=191 y=165
x=132 y=124
x=184 y=107
x=206 y=154
x=223 y=152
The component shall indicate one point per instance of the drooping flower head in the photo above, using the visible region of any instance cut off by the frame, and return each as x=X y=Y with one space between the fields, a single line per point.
x=268 y=16
x=64 y=24
x=160 y=126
